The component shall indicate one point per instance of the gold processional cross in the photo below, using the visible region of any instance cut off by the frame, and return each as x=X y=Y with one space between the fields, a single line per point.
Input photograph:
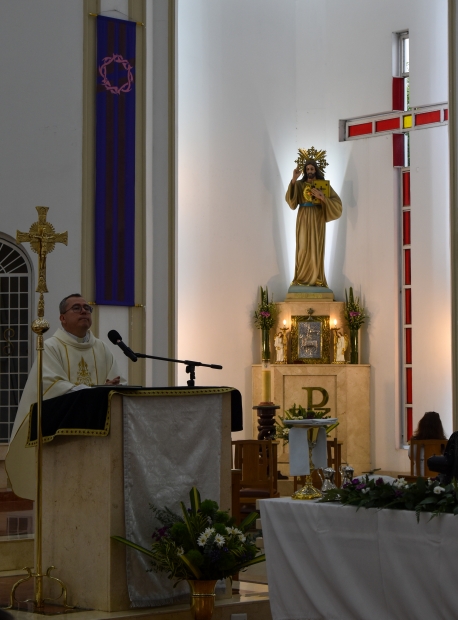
x=42 y=238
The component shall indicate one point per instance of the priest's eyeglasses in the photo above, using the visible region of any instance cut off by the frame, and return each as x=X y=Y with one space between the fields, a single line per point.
x=79 y=308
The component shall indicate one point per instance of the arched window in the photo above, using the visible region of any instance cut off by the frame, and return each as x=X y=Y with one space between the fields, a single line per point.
x=15 y=332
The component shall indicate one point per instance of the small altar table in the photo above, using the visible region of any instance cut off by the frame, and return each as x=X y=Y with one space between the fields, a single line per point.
x=327 y=561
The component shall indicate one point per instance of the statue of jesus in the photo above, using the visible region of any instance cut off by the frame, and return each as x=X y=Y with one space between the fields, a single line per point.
x=311 y=220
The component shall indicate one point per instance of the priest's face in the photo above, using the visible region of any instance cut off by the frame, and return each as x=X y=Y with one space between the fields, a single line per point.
x=310 y=171
x=76 y=320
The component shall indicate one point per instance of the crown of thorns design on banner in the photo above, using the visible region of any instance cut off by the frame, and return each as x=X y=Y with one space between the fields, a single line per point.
x=116 y=90
x=312 y=153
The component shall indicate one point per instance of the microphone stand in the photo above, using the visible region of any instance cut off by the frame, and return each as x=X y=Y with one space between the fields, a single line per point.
x=190 y=365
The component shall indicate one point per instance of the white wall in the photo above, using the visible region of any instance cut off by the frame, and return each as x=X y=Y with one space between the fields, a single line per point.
x=431 y=298
x=236 y=131
x=257 y=80
x=41 y=131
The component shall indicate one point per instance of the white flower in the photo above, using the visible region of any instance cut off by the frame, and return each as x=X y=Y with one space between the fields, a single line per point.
x=219 y=540
x=209 y=531
x=286 y=431
x=202 y=540
x=439 y=490
x=242 y=537
x=365 y=490
x=400 y=483
x=180 y=551
x=233 y=530
x=430 y=481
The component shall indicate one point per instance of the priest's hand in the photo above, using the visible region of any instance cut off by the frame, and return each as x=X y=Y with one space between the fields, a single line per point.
x=114 y=381
x=296 y=174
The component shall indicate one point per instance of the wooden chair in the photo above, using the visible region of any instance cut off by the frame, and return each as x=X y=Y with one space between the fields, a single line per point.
x=420 y=451
x=334 y=455
x=334 y=448
x=257 y=458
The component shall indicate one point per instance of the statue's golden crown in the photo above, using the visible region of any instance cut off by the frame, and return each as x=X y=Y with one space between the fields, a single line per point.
x=312 y=153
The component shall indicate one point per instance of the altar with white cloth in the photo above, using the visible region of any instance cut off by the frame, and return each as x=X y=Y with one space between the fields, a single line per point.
x=328 y=561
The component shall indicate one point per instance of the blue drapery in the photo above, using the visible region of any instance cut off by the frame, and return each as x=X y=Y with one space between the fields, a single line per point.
x=115 y=162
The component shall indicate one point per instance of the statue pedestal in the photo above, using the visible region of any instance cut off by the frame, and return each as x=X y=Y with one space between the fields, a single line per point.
x=348 y=386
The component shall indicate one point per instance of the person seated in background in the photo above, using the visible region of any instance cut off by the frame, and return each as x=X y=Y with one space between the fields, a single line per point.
x=429 y=427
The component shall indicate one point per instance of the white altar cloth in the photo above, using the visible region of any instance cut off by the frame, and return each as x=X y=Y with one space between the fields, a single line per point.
x=329 y=562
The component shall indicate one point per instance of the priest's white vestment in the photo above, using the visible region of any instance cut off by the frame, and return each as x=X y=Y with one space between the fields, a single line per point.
x=66 y=363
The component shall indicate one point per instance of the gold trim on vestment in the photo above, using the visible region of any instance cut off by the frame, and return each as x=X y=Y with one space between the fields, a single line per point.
x=95 y=364
x=56 y=381
x=68 y=359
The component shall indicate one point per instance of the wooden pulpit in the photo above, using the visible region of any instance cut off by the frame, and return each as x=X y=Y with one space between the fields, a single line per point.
x=159 y=437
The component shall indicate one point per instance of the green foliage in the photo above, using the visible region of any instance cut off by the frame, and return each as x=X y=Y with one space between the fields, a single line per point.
x=201 y=543
x=208 y=508
x=299 y=413
x=194 y=497
x=267 y=312
x=195 y=557
x=420 y=496
x=354 y=313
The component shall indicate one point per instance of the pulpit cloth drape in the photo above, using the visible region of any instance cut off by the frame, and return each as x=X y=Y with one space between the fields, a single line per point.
x=166 y=453
x=329 y=562
x=87 y=412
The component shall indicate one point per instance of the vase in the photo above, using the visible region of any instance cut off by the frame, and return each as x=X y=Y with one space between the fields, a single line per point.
x=202 y=598
x=354 y=346
x=265 y=345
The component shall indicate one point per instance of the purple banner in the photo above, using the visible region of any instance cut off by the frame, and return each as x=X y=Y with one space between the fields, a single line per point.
x=115 y=163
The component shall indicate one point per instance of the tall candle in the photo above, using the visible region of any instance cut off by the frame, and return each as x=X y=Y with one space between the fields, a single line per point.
x=265 y=376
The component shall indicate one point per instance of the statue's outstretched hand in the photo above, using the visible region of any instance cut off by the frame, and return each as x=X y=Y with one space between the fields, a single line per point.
x=296 y=174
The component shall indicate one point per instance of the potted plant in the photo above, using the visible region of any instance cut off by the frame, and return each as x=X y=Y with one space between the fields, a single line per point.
x=201 y=546
x=354 y=315
x=264 y=319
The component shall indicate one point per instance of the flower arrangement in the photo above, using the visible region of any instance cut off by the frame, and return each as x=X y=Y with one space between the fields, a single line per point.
x=300 y=413
x=424 y=495
x=267 y=312
x=201 y=543
x=353 y=312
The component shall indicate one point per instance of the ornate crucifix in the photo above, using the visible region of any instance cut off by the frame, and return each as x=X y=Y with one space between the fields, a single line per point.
x=42 y=238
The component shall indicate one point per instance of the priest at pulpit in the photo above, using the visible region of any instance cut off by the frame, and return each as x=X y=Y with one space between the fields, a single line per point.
x=73 y=359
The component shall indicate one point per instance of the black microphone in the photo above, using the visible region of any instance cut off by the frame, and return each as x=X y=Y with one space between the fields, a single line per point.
x=115 y=338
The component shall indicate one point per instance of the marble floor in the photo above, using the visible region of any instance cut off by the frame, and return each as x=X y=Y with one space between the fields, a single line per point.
x=248 y=597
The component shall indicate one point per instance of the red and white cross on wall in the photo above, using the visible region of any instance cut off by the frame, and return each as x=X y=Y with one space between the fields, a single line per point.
x=399 y=122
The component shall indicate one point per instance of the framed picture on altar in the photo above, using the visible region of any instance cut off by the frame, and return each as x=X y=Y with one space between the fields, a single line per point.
x=310 y=340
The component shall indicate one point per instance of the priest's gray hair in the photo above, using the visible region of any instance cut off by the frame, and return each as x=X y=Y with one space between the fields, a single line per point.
x=63 y=303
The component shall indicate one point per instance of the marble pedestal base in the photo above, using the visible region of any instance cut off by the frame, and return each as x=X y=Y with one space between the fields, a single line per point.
x=348 y=387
